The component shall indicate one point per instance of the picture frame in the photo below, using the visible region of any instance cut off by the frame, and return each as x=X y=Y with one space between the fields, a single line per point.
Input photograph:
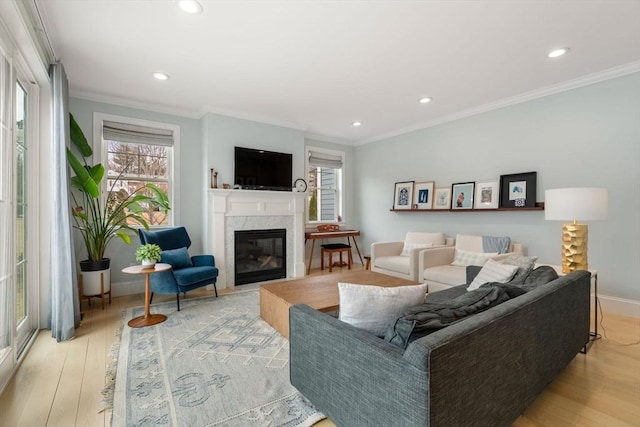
x=487 y=195
x=518 y=190
x=423 y=194
x=442 y=198
x=462 y=194
x=403 y=195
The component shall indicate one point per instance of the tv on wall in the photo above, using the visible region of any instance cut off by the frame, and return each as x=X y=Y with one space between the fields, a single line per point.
x=262 y=170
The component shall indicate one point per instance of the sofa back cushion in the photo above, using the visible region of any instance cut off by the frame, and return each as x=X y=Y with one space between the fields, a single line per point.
x=471 y=243
x=420 y=240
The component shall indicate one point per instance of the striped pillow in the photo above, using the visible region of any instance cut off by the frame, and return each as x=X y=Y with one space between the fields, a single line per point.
x=493 y=271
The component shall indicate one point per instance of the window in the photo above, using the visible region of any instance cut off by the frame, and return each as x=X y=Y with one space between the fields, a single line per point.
x=139 y=152
x=325 y=172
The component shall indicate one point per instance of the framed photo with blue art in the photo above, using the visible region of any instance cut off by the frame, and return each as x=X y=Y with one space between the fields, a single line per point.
x=423 y=195
x=462 y=195
x=403 y=195
x=487 y=195
x=518 y=190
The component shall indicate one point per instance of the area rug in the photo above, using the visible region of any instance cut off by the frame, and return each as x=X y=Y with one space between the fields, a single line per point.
x=213 y=363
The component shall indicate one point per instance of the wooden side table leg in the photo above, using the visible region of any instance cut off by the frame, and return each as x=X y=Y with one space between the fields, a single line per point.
x=313 y=242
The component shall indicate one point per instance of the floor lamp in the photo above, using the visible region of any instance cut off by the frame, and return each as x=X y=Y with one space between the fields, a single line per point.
x=575 y=204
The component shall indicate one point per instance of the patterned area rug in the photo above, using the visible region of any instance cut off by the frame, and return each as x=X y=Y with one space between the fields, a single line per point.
x=213 y=363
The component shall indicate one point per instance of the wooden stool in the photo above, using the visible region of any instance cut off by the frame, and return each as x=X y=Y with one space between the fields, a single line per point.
x=330 y=249
x=368 y=259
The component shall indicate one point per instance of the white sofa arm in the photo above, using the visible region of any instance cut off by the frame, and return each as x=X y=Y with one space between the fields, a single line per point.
x=381 y=249
x=433 y=257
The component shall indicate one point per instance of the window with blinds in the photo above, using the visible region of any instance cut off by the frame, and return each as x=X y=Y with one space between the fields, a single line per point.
x=137 y=155
x=325 y=181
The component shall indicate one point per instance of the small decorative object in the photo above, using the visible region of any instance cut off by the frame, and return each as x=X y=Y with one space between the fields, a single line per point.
x=403 y=195
x=487 y=195
x=148 y=254
x=214 y=178
x=300 y=185
x=442 y=198
x=518 y=190
x=423 y=195
x=462 y=195
x=226 y=186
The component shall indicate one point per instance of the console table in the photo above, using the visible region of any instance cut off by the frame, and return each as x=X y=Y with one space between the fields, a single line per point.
x=313 y=235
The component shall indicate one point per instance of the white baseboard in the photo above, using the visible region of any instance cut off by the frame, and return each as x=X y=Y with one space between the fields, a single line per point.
x=620 y=306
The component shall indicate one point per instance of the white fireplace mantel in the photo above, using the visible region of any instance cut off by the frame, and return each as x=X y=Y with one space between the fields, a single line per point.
x=231 y=210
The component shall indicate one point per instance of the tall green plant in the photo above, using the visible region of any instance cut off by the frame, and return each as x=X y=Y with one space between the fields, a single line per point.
x=100 y=219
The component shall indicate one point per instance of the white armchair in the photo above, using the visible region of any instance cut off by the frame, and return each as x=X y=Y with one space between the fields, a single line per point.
x=400 y=259
x=443 y=268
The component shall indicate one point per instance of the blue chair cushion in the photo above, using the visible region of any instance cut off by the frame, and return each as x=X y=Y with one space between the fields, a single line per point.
x=193 y=275
x=178 y=258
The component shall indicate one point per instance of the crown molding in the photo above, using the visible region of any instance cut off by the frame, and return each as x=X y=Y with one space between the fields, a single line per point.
x=587 y=80
x=328 y=138
x=88 y=96
x=252 y=117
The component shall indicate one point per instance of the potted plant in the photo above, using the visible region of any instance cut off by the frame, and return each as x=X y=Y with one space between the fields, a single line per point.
x=148 y=254
x=102 y=218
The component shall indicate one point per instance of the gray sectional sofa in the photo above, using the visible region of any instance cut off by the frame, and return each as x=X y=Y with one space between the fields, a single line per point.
x=483 y=370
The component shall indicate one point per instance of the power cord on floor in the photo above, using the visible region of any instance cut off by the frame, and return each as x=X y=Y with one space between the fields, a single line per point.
x=604 y=331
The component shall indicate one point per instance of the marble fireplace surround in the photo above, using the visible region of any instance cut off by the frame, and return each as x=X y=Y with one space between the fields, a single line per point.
x=231 y=210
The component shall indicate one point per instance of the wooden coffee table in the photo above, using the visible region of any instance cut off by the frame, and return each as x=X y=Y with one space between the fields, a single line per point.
x=319 y=292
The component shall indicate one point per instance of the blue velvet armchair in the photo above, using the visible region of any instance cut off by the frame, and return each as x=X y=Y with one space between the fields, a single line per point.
x=187 y=273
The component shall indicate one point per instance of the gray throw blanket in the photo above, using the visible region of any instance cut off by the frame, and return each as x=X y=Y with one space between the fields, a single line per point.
x=431 y=316
x=496 y=244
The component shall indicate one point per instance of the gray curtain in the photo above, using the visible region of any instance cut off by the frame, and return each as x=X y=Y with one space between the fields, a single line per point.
x=65 y=304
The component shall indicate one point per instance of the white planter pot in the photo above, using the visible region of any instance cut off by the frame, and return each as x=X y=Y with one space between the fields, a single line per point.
x=91 y=282
x=148 y=263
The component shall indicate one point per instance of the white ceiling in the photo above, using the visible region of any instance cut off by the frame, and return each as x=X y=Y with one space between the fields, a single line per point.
x=320 y=65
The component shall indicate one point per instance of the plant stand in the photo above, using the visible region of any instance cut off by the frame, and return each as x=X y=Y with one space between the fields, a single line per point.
x=101 y=295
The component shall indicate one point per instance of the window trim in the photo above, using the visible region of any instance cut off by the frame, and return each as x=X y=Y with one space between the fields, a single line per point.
x=173 y=157
x=339 y=191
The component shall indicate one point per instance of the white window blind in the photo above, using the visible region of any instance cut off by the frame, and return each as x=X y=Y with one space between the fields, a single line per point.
x=125 y=132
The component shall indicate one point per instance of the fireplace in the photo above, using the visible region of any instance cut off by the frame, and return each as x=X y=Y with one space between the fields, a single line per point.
x=260 y=255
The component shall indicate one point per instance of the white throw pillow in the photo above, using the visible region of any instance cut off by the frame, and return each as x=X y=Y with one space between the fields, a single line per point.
x=493 y=271
x=465 y=258
x=375 y=308
x=408 y=246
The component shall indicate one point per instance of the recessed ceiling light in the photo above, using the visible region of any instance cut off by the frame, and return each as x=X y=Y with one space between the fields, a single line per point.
x=556 y=53
x=356 y=124
x=161 y=76
x=425 y=100
x=190 y=6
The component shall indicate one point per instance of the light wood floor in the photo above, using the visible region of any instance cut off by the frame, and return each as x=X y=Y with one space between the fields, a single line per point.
x=59 y=384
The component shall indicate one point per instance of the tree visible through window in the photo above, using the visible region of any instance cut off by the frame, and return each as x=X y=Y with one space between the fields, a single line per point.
x=138 y=155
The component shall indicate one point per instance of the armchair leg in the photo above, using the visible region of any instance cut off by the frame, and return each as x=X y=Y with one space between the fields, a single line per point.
x=178 y=300
x=215 y=289
x=151 y=298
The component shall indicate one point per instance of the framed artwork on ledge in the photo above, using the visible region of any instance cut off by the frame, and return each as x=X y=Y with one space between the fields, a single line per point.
x=442 y=198
x=403 y=195
x=487 y=195
x=462 y=195
x=423 y=195
x=518 y=190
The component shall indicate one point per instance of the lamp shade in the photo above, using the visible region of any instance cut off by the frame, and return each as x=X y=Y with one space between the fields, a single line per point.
x=575 y=204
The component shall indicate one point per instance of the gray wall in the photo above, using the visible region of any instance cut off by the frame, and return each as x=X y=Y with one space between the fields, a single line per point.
x=584 y=137
x=190 y=171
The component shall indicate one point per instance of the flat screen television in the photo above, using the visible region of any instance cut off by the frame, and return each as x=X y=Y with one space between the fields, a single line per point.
x=262 y=170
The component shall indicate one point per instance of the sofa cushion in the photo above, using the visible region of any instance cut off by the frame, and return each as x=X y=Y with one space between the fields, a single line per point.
x=493 y=271
x=524 y=263
x=193 y=275
x=399 y=264
x=452 y=275
x=409 y=246
x=178 y=258
x=463 y=258
x=375 y=308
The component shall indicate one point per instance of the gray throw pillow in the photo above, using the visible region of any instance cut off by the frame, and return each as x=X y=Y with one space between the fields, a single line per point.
x=524 y=263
